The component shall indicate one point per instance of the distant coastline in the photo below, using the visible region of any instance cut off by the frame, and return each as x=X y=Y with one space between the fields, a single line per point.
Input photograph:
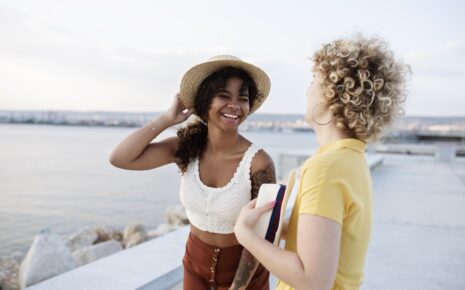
x=274 y=122
x=408 y=128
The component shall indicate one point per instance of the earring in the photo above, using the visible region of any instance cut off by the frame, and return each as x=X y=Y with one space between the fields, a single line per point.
x=202 y=121
x=313 y=116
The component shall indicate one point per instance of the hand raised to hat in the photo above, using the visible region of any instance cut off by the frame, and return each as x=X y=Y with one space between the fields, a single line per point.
x=177 y=112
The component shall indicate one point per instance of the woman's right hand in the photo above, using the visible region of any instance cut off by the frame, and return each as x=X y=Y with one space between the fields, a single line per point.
x=138 y=152
x=177 y=112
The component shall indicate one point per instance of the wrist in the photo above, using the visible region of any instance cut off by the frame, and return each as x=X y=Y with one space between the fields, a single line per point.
x=166 y=120
x=160 y=124
x=243 y=234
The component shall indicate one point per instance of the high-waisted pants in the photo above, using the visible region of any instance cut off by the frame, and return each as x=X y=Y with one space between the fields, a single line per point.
x=209 y=267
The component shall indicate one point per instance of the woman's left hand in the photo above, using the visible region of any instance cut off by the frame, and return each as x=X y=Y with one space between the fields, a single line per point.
x=249 y=217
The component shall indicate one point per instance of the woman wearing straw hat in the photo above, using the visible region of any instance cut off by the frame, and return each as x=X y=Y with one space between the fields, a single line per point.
x=357 y=91
x=221 y=170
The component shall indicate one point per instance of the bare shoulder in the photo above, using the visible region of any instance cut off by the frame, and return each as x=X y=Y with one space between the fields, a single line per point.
x=262 y=171
x=261 y=160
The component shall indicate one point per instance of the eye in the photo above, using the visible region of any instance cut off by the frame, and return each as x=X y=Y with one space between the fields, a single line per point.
x=244 y=98
x=223 y=96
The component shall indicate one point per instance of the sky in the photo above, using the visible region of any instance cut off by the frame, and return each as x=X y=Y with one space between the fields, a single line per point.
x=131 y=55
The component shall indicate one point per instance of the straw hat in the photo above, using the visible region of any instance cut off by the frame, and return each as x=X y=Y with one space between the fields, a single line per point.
x=193 y=78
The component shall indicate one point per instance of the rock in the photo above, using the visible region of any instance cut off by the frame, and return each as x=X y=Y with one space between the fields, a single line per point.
x=81 y=239
x=136 y=239
x=131 y=230
x=9 y=270
x=95 y=252
x=133 y=235
x=162 y=230
x=47 y=257
x=176 y=215
x=106 y=233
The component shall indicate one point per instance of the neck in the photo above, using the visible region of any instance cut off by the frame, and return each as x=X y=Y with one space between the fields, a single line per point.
x=220 y=141
x=327 y=134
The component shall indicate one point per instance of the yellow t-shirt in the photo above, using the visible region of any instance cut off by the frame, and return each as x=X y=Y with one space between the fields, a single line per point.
x=336 y=184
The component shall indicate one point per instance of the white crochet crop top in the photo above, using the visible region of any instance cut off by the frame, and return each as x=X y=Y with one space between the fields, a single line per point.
x=215 y=209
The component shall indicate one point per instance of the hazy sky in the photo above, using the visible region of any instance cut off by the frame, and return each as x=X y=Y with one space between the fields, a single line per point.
x=130 y=55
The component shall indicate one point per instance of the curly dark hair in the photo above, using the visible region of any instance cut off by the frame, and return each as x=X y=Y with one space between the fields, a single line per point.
x=363 y=85
x=193 y=137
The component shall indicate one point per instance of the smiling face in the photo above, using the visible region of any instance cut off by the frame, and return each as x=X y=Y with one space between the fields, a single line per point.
x=230 y=107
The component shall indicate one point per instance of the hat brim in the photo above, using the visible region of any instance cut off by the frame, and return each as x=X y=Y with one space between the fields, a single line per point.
x=270 y=224
x=196 y=75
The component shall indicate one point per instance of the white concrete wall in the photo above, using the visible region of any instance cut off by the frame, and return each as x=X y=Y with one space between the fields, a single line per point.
x=155 y=264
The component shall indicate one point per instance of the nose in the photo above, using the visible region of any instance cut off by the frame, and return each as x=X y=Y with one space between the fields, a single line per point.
x=233 y=104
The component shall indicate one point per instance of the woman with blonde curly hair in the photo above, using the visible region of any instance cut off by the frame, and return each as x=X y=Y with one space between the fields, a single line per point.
x=357 y=91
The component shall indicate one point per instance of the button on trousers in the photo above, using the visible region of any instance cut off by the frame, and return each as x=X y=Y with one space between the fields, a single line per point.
x=209 y=267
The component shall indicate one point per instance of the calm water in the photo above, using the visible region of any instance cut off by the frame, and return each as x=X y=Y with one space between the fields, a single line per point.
x=59 y=177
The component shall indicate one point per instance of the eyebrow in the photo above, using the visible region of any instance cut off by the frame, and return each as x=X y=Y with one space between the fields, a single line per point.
x=244 y=91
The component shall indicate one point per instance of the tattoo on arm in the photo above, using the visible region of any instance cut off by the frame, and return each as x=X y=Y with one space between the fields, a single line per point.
x=247 y=266
x=266 y=175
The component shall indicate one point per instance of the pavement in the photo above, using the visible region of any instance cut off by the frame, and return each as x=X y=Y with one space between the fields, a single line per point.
x=418 y=238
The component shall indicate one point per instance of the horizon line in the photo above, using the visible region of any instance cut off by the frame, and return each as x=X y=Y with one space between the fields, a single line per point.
x=158 y=112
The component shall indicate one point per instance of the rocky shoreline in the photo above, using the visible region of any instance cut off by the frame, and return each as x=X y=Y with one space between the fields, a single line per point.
x=50 y=255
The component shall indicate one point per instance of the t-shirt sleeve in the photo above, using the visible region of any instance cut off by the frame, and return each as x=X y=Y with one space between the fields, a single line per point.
x=322 y=194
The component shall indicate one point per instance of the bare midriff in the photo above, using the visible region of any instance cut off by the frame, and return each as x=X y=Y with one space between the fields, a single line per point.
x=214 y=239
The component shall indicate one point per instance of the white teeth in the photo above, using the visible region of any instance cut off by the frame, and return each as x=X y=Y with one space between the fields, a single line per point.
x=230 y=116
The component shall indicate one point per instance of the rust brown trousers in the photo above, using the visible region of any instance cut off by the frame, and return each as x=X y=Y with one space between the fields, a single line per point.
x=209 y=267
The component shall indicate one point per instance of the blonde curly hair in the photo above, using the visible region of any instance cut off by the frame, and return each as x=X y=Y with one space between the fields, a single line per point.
x=363 y=85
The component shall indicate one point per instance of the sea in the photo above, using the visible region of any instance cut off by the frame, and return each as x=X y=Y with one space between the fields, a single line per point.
x=59 y=177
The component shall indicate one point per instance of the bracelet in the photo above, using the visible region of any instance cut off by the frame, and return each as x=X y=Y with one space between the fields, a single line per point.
x=151 y=126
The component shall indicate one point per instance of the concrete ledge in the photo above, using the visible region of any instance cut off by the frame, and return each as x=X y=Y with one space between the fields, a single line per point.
x=374 y=161
x=155 y=264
